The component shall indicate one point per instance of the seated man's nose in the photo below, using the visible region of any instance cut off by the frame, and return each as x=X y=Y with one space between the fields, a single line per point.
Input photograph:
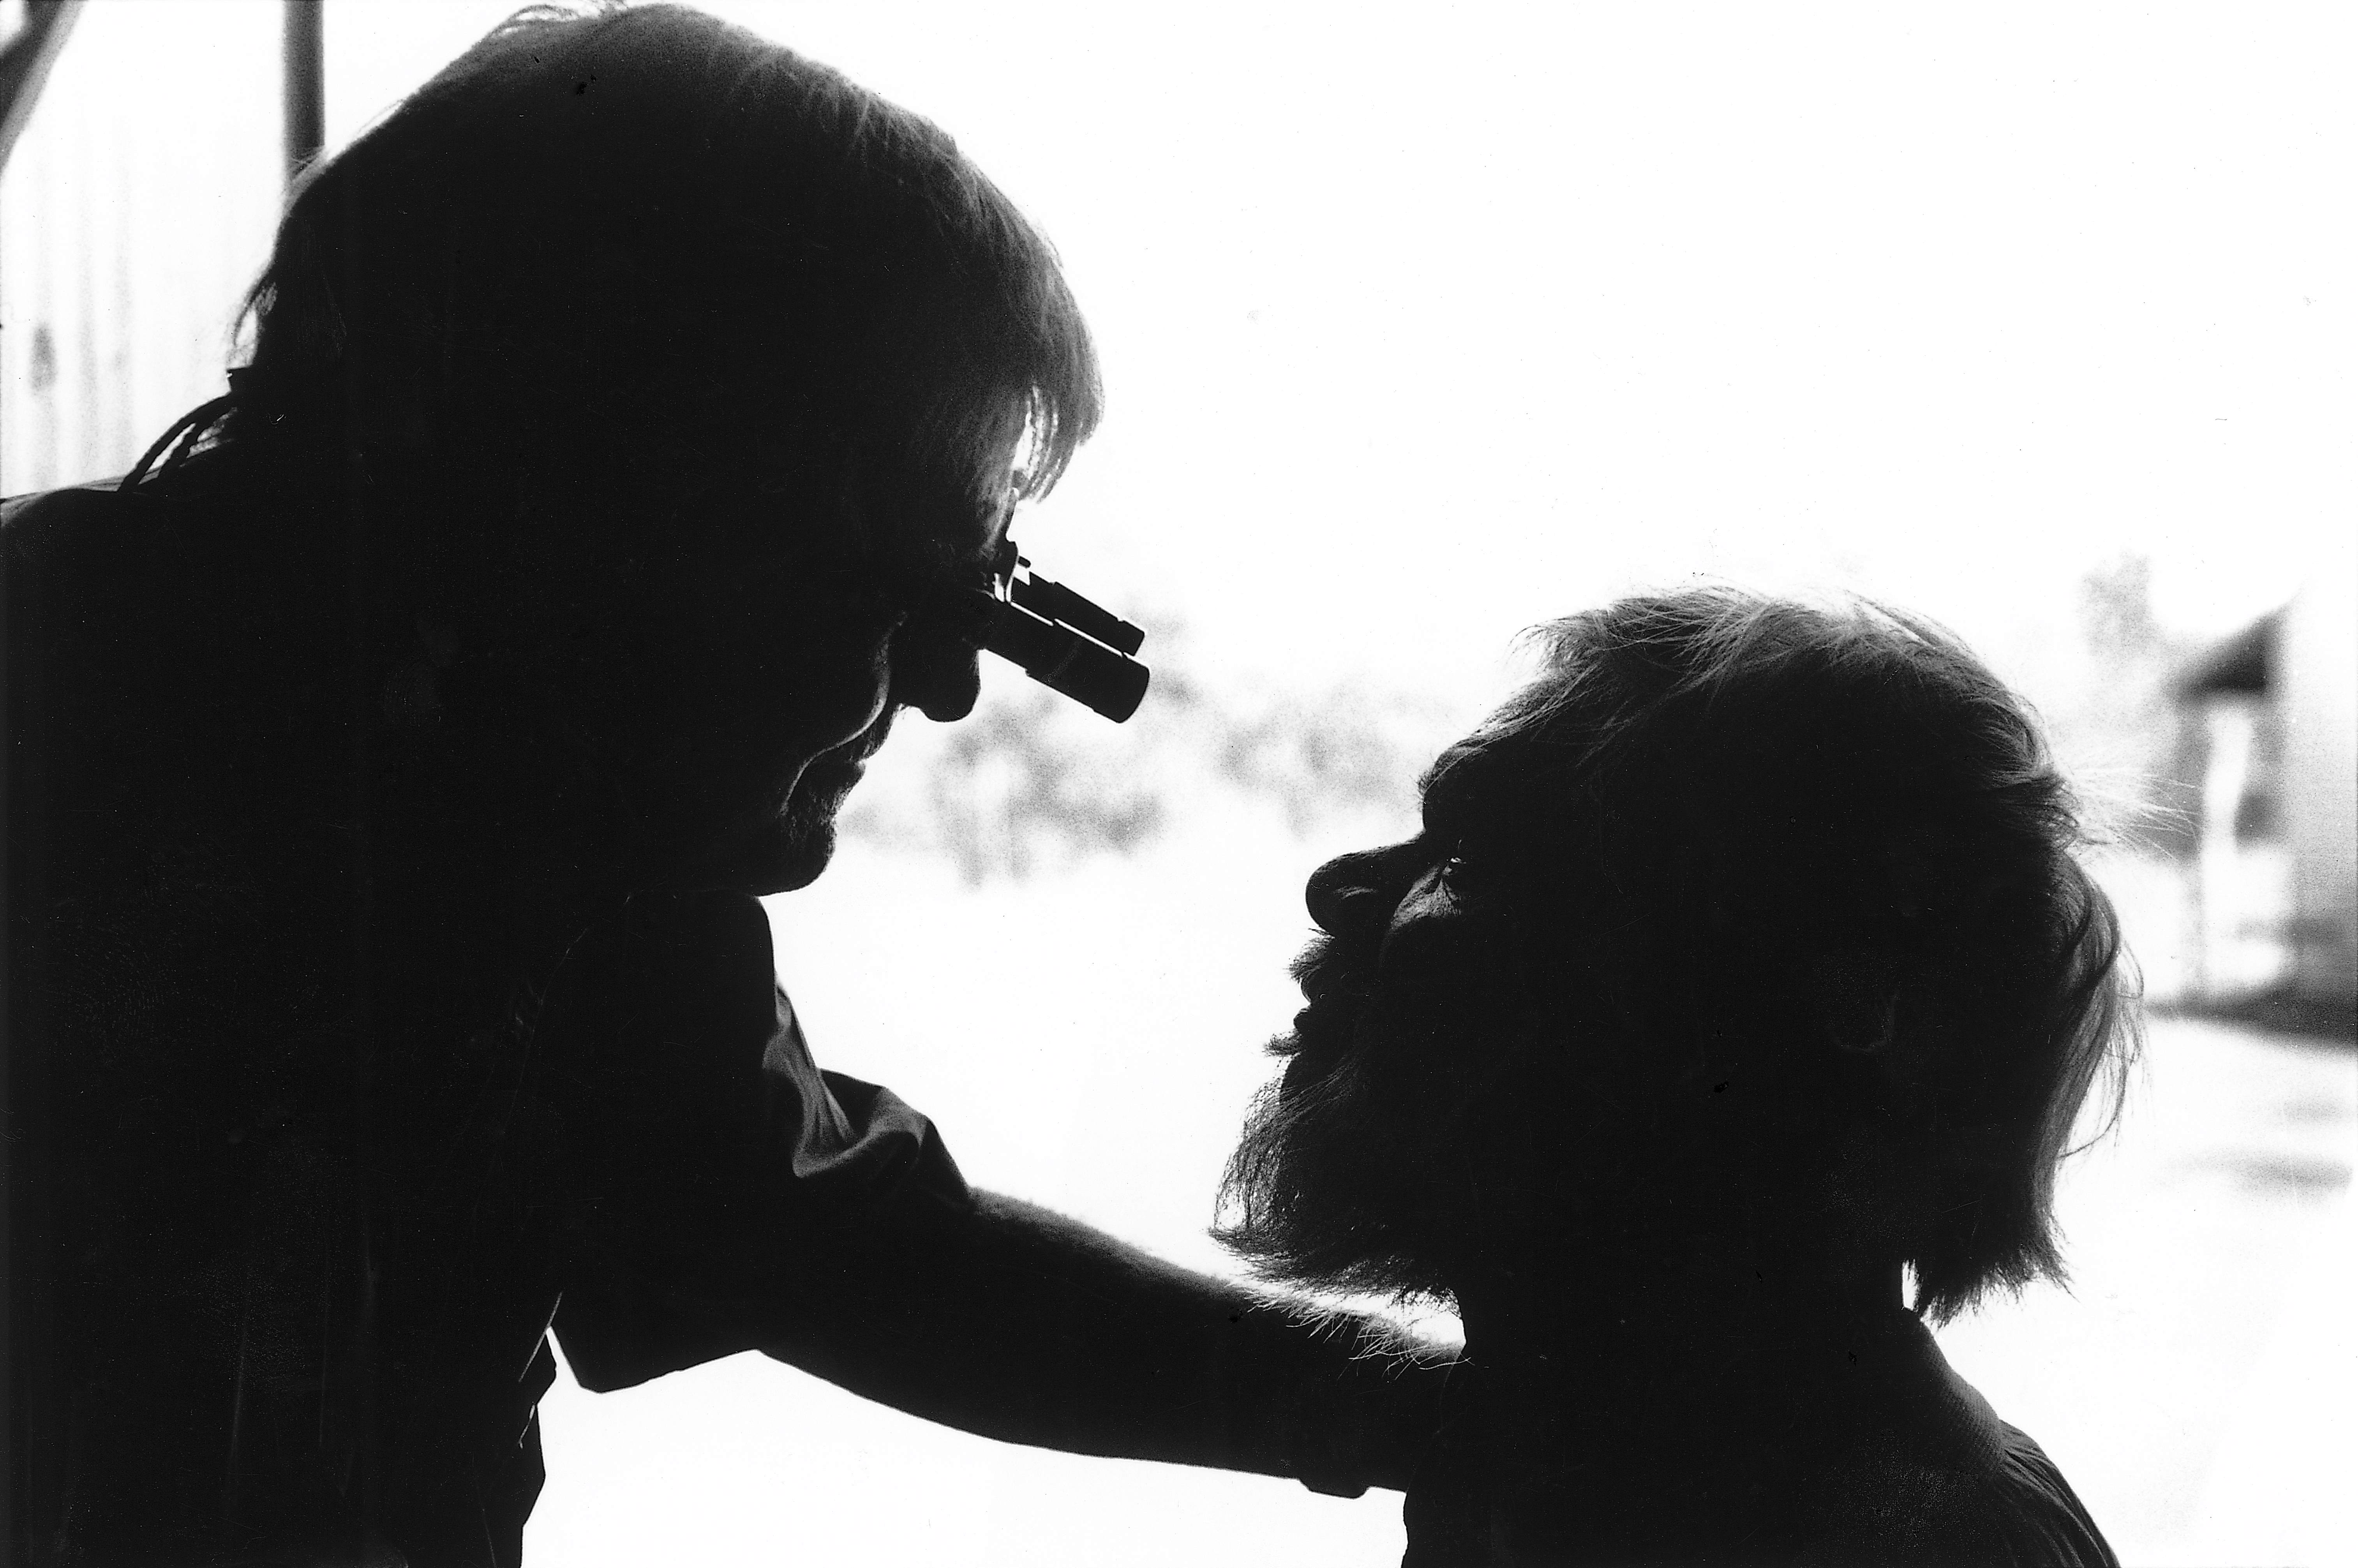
x=1342 y=894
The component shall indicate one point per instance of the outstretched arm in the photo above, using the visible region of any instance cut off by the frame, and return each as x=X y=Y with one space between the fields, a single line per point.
x=1009 y=1321
x=727 y=1195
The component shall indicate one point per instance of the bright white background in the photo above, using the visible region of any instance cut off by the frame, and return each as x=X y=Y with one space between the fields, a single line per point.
x=1422 y=324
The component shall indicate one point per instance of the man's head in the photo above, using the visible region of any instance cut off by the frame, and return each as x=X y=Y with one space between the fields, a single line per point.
x=674 y=373
x=1744 y=919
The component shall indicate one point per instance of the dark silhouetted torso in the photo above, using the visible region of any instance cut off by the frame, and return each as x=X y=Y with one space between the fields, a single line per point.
x=292 y=1208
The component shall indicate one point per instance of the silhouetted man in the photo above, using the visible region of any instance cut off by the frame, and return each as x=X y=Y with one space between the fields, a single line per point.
x=1741 y=963
x=392 y=772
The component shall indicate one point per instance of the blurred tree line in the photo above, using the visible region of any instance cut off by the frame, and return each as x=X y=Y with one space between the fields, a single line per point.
x=1032 y=782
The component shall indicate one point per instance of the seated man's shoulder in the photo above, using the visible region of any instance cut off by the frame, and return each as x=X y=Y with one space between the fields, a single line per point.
x=1947 y=1483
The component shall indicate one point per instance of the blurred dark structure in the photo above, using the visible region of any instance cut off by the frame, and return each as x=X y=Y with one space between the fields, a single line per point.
x=2269 y=730
x=304 y=70
x=26 y=53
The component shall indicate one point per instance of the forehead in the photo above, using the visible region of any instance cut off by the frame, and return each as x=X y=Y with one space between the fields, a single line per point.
x=1462 y=780
x=1502 y=790
x=937 y=516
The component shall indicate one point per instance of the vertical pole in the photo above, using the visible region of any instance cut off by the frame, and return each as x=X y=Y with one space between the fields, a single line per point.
x=25 y=61
x=306 y=94
x=29 y=1402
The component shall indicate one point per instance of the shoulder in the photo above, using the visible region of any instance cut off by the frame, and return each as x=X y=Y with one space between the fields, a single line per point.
x=79 y=528
x=216 y=528
x=98 y=590
x=1941 y=1479
x=24 y=516
x=2048 y=1523
x=668 y=990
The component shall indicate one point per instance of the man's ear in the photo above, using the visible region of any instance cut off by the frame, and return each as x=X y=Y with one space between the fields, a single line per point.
x=1883 y=1023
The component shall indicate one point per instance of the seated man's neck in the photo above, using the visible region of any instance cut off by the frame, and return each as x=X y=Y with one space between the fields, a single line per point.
x=1705 y=1324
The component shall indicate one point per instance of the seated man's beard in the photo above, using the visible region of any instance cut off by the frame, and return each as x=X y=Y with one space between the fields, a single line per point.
x=1324 y=1189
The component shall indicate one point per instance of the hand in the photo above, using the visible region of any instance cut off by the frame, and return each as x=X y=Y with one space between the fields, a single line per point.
x=1375 y=1427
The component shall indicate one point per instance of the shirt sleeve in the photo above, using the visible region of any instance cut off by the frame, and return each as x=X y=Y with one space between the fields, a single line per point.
x=713 y=1176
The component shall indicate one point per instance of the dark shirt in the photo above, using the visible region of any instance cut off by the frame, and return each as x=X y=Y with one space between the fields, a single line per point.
x=285 y=1240
x=1896 y=1461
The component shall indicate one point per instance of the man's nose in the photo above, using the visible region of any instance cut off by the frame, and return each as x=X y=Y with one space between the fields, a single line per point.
x=940 y=677
x=1345 y=895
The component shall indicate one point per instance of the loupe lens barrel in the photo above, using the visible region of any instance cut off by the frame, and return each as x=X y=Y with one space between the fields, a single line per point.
x=1065 y=661
x=1055 y=601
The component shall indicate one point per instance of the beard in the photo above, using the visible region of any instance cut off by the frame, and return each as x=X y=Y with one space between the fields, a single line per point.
x=1324 y=1189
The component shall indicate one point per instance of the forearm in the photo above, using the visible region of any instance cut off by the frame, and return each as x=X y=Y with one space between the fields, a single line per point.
x=1020 y=1324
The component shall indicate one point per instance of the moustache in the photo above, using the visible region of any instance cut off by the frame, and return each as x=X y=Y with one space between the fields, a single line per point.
x=1333 y=986
x=1325 y=970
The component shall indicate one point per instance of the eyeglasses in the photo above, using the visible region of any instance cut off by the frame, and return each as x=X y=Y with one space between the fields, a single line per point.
x=1060 y=639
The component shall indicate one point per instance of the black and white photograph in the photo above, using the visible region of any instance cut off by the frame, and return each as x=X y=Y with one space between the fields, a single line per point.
x=1032 y=785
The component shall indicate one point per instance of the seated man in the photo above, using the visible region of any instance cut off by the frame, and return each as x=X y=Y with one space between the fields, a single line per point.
x=1742 y=969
